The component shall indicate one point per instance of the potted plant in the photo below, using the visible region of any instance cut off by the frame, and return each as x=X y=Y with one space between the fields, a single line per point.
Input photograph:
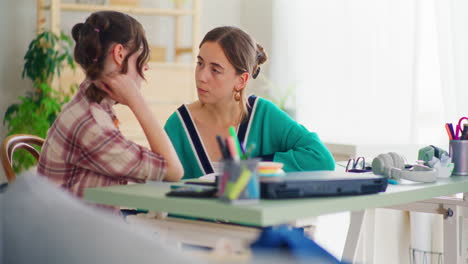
x=47 y=54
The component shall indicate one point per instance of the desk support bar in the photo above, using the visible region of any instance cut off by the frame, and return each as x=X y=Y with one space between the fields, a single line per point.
x=454 y=211
x=355 y=232
x=352 y=239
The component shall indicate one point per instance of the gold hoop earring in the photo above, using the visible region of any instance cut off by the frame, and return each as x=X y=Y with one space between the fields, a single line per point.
x=237 y=96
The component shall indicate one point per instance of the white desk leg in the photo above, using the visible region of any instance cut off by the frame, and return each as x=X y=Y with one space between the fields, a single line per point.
x=352 y=239
x=369 y=232
x=354 y=232
x=452 y=236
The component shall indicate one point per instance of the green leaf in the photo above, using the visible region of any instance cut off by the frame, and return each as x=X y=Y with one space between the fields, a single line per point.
x=39 y=108
x=11 y=110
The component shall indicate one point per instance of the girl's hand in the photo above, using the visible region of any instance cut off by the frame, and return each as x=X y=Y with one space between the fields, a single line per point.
x=120 y=87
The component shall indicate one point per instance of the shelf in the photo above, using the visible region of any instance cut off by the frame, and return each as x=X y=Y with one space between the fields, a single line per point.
x=56 y=7
x=182 y=50
x=168 y=84
x=124 y=9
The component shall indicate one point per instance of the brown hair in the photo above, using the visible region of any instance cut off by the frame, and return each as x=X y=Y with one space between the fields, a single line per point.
x=241 y=50
x=94 y=38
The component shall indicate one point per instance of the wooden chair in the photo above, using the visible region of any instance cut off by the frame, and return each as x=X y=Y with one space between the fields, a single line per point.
x=14 y=142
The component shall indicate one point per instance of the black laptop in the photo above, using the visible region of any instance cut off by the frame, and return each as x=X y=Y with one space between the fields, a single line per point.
x=320 y=183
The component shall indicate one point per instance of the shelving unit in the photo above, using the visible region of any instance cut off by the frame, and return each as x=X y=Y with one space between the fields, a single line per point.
x=56 y=7
x=168 y=85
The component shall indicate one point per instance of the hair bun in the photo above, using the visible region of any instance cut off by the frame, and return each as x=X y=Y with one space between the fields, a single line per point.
x=261 y=55
x=256 y=73
x=76 y=31
x=99 y=21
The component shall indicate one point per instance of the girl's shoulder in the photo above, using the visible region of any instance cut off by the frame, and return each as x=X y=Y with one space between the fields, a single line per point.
x=263 y=103
x=174 y=120
x=193 y=106
x=102 y=118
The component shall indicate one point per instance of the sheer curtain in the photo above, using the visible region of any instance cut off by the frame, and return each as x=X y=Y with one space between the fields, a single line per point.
x=373 y=71
x=452 y=24
x=440 y=68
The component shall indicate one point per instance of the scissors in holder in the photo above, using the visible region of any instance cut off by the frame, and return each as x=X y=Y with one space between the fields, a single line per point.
x=357 y=165
x=459 y=128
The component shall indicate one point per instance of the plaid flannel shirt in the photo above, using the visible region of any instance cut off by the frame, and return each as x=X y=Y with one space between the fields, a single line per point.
x=85 y=149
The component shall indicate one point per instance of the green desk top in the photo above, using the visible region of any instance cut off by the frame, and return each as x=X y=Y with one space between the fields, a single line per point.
x=151 y=196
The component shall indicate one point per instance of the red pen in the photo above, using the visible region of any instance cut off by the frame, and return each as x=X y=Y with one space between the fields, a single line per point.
x=449 y=132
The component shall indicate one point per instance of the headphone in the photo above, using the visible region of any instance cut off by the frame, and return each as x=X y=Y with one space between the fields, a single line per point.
x=392 y=165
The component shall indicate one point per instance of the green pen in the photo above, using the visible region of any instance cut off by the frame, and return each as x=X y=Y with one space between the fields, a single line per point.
x=228 y=189
x=249 y=150
x=232 y=132
x=239 y=185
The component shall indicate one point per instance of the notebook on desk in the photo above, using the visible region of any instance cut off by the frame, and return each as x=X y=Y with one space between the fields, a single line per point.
x=321 y=183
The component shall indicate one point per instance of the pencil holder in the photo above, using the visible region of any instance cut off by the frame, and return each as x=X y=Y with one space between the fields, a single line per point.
x=239 y=181
x=459 y=154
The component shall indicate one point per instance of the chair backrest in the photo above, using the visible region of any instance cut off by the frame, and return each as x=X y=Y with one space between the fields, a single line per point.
x=14 y=142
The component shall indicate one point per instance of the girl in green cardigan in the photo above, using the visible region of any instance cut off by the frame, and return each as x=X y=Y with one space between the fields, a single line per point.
x=227 y=59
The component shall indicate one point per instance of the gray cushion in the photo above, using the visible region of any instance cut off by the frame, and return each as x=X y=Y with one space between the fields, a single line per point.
x=43 y=224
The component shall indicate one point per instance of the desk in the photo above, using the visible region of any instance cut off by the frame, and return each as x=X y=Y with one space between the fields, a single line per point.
x=151 y=196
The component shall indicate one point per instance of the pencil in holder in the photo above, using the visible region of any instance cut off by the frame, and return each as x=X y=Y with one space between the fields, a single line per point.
x=239 y=181
x=459 y=155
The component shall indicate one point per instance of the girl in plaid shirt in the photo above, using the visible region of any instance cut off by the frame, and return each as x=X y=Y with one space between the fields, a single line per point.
x=84 y=147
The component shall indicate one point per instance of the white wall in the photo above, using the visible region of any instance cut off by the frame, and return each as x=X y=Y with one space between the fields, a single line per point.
x=256 y=18
x=219 y=13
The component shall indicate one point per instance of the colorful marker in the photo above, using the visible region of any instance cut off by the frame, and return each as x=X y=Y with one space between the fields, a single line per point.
x=232 y=132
